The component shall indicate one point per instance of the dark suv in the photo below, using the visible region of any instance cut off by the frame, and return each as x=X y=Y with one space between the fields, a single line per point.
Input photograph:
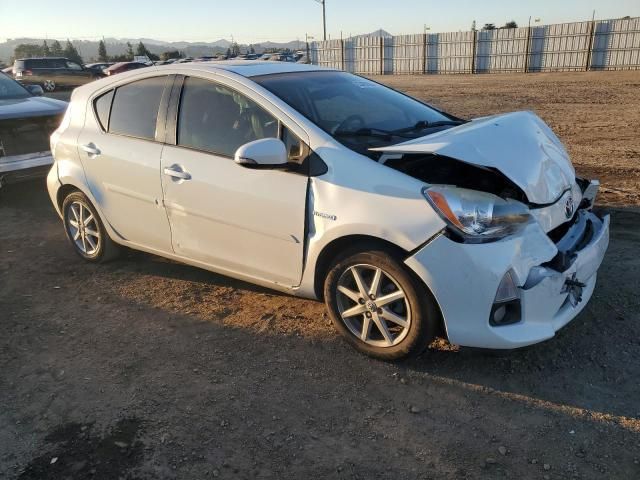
x=52 y=72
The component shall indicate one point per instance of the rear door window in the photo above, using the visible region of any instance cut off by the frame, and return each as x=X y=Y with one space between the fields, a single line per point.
x=53 y=63
x=134 y=110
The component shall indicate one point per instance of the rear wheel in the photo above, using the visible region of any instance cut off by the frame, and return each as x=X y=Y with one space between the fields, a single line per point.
x=378 y=305
x=49 y=85
x=85 y=230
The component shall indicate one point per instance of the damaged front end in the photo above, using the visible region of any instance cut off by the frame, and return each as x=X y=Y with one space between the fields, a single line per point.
x=522 y=244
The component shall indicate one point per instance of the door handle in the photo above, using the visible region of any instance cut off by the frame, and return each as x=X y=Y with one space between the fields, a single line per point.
x=176 y=172
x=91 y=149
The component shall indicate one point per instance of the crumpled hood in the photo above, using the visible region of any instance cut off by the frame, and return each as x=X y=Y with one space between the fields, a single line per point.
x=519 y=144
x=31 y=107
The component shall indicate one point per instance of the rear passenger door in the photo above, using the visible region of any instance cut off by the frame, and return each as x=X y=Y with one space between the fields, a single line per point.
x=241 y=221
x=120 y=147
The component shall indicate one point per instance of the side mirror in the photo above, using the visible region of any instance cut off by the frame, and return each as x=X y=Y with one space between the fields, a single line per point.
x=268 y=153
x=35 y=90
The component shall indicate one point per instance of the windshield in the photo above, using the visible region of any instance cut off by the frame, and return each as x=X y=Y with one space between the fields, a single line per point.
x=10 y=89
x=359 y=113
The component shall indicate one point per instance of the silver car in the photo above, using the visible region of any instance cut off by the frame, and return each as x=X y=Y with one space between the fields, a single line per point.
x=407 y=221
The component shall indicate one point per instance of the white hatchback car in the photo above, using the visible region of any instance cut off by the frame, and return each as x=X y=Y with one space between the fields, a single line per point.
x=409 y=222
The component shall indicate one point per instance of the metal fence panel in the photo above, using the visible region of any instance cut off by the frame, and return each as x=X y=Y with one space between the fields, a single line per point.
x=502 y=50
x=616 y=44
x=450 y=52
x=600 y=45
x=560 y=47
x=326 y=54
x=407 y=54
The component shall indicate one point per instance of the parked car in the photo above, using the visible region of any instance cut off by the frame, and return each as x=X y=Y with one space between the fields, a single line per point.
x=409 y=222
x=99 y=67
x=52 y=73
x=247 y=56
x=123 y=67
x=26 y=121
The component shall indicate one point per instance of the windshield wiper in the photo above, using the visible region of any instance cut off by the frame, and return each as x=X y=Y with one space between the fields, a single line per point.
x=370 y=132
x=424 y=124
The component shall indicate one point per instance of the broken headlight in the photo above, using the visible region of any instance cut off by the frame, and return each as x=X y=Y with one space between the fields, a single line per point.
x=477 y=216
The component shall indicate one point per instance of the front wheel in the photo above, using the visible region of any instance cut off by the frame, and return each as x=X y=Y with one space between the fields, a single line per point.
x=85 y=230
x=378 y=306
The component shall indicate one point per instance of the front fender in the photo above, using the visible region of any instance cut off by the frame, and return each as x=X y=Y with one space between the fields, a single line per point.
x=391 y=212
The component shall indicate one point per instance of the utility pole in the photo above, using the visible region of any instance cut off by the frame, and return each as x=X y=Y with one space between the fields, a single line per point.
x=324 y=18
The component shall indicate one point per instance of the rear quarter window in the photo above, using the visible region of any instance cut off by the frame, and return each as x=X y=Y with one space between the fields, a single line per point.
x=102 y=107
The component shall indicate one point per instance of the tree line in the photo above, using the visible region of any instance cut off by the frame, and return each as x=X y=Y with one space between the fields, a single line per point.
x=55 y=49
x=27 y=50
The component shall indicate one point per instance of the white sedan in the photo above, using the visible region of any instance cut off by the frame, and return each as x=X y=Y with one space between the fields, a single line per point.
x=407 y=221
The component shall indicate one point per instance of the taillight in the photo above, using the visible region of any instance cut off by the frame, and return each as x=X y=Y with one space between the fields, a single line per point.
x=27 y=72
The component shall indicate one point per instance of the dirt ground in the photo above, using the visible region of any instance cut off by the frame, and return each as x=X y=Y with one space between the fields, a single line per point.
x=143 y=368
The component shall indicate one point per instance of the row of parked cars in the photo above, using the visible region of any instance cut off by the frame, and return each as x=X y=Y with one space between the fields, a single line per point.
x=52 y=73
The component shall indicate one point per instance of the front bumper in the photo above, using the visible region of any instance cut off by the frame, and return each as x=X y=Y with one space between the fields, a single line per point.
x=18 y=168
x=464 y=279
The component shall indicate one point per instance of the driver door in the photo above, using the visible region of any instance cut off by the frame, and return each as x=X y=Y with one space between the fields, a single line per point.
x=240 y=221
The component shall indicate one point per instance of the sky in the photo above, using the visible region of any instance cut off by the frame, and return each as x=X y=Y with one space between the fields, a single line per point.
x=254 y=21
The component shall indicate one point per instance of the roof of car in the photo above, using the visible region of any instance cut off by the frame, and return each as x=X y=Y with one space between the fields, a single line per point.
x=251 y=68
x=41 y=58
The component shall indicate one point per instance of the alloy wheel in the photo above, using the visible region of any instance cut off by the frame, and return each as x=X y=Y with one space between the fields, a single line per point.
x=49 y=85
x=373 y=306
x=83 y=228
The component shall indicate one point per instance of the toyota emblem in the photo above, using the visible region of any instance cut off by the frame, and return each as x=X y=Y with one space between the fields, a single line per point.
x=568 y=207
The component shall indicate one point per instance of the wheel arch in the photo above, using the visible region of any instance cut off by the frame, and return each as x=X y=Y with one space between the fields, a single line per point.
x=69 y=187
x=65 y=190
x=334 y=249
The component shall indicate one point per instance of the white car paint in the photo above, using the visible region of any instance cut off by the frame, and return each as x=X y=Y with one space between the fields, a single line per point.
x=518 y=144
x=270 y=227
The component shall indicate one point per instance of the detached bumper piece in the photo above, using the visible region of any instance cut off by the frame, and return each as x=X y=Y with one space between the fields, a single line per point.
x=565 y=283
x=554 y=275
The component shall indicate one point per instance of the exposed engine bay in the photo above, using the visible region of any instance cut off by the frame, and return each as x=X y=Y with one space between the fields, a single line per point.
x=438 y=169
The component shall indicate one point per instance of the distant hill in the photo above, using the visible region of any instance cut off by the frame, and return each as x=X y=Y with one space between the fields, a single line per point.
x=88 y=49
x=377 y=33
x=118 y=46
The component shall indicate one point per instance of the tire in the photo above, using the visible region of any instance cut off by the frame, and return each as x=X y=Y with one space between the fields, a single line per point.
x=49 y=86
x=91 y=241
x=406 y=298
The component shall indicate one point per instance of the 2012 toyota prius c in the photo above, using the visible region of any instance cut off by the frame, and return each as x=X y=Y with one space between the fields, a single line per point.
x=408 y=221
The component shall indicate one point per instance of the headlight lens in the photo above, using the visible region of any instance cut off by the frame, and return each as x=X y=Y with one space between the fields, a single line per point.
x=477 y=216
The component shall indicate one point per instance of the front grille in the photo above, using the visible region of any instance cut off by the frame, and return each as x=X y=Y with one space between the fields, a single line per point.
x=560 y=231
x=570 y=238
x=19 y=136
